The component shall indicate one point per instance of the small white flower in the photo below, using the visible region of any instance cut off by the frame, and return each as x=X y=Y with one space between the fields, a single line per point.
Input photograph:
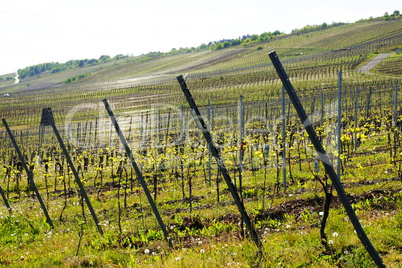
x=335 y=234
x=177 y=259
x=202 y=251
x=146 y=251
x=321 y=213
x=330 y=242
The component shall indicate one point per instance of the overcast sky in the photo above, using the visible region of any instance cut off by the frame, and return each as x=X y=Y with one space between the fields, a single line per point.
x=38 y=31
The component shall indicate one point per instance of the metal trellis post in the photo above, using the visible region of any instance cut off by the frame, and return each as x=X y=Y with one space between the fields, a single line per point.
x=138 y=172
x=324 y=158
x=214 y=151
x=5 y=199
x=339 y=125
x=283 y=140
x=74 y=171
x=29 y=173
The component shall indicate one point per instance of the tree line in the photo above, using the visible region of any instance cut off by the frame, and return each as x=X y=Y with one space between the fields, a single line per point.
x=55 y=67
x=312 y=28
x=245 y=40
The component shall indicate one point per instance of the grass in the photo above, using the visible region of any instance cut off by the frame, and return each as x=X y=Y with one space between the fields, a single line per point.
x=28 y=241
x=282 y=241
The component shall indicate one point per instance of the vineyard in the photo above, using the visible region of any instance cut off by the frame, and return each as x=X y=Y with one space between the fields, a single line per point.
x=114 y=171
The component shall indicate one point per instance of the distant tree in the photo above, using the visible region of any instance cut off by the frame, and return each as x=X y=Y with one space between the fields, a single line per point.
x=120 y=56
x=236 y=42
x=104 y=58
x=265 y=36
x=22 y=73
x=386 y=14
x=226 y=44
x=212 y=45
x=255 y=37
x=92 y=62
x=217 y=46
x=396 y=13
x=72 y=63
x=203 y=46
x=36 y=69
x=58 y=69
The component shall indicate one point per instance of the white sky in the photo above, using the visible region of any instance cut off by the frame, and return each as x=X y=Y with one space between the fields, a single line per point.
x=38 y=31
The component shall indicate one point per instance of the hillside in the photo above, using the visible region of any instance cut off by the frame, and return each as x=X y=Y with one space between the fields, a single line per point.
x=286 y=204
x=349 y=43
x=311 y=56
x=308 y=56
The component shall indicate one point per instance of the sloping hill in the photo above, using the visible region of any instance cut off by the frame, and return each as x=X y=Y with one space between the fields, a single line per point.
x=312 y=57
x=374 y=62
x=326 y=45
